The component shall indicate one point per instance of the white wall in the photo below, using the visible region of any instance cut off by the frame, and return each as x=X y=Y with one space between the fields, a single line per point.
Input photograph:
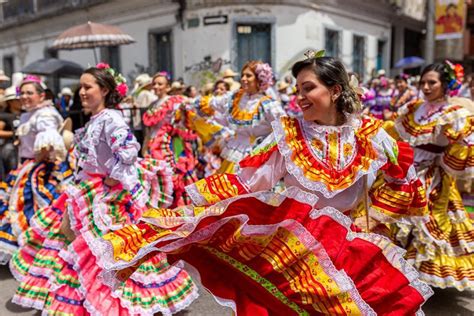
x=296 y=29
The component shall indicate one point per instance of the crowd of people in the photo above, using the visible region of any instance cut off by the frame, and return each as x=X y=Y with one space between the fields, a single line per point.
x=315 y=194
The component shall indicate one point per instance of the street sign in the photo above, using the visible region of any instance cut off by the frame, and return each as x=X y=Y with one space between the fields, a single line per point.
x=215 y=19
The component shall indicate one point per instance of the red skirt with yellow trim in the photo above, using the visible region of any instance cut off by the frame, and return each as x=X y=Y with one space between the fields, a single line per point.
x=272 y=254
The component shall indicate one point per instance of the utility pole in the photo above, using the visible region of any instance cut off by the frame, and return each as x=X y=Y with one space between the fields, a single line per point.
x=430 y=31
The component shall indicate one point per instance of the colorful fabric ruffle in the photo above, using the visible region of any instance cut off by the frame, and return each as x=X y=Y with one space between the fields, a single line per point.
x=173 y=141
x=31 y=187
x=442 y=249
x=273 y=254
x=35 y=262
x=65 y=279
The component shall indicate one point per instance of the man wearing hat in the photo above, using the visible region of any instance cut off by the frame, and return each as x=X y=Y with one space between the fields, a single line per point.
x=3 y=78
x=142 y=97
x=11 y=104
x=65 y=101
x=228 y=76
x=177 y=88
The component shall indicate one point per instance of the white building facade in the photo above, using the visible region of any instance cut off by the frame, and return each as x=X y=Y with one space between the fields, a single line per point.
x=197 y=39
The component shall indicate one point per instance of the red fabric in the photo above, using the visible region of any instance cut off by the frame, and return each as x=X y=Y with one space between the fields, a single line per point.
x=379 y=283
x=155 y=117
x=405 y=160
x=258 y=160
x=250 y=298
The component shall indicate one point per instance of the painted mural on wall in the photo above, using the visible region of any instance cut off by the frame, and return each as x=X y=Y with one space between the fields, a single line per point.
x=136 y=71
x=205 y=71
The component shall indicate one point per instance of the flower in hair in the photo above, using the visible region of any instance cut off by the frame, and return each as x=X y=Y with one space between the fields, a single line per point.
x=102 y=66
x=264 y=74
x=120 y=81
x=455 y=74
x=311 y=54
x=122 y=89
x=33 y=79
x=164 y=74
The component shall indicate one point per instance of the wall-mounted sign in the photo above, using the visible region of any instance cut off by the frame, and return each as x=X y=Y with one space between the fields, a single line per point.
x=449 y=19
x=215 y=19
x=193 y=22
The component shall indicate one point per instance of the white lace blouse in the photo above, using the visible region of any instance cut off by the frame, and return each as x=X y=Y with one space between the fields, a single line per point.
x=106 y=146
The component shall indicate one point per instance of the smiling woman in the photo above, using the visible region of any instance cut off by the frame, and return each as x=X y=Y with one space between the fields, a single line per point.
x=441 y=133
x=37 y=181
x=59 y=271
x=299 y=252
x=246 y=114
x=324 y=93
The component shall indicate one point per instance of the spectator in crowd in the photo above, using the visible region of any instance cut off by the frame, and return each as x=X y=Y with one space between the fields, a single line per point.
x=229 y=76
x=76 y=112
x=207 y=89
x=65 y=101
x=177 y=88
x=191 y=92
x=221 y=87
x=142 y=96
x=4 y=79
x=8 y=121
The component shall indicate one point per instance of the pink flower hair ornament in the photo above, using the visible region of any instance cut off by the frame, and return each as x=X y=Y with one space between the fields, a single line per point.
x=120 y=80
x=264 y=74
x=33 y=79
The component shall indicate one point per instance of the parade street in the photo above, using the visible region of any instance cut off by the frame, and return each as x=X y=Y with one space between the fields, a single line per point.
x=444 y=303
x=225 y=157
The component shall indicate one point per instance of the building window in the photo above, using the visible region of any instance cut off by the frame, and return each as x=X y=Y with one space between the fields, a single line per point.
x=111 y=55
x=17 y=8
x=253 y=43
x=8 y=65
x=160 y=52
x=358 y=55
x=381 y=44
x=331 y=43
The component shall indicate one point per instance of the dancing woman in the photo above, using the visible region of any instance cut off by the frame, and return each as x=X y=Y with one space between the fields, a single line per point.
x=298 y=252
x=112 y=189
x=247 y=113
x=441 y=134
x=403 y=94
x=37 y=180
x=170 y=136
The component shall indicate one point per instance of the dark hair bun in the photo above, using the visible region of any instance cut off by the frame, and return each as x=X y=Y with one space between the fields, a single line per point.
x=112 y=99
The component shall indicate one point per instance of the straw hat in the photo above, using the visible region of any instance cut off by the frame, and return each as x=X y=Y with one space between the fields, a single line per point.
x=176 y=85
x=3 y=77
x=142 y=81
x=229 y=73
x=10 y=94
x=282 y=85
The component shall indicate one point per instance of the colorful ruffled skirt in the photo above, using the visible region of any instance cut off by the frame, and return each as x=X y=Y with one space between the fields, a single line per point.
x=27 y=189
x=443 y=248
x=65 y=278
x=273 y=254
x=179 y=148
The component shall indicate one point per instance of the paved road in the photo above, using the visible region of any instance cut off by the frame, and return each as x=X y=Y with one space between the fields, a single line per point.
x=443 y=303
